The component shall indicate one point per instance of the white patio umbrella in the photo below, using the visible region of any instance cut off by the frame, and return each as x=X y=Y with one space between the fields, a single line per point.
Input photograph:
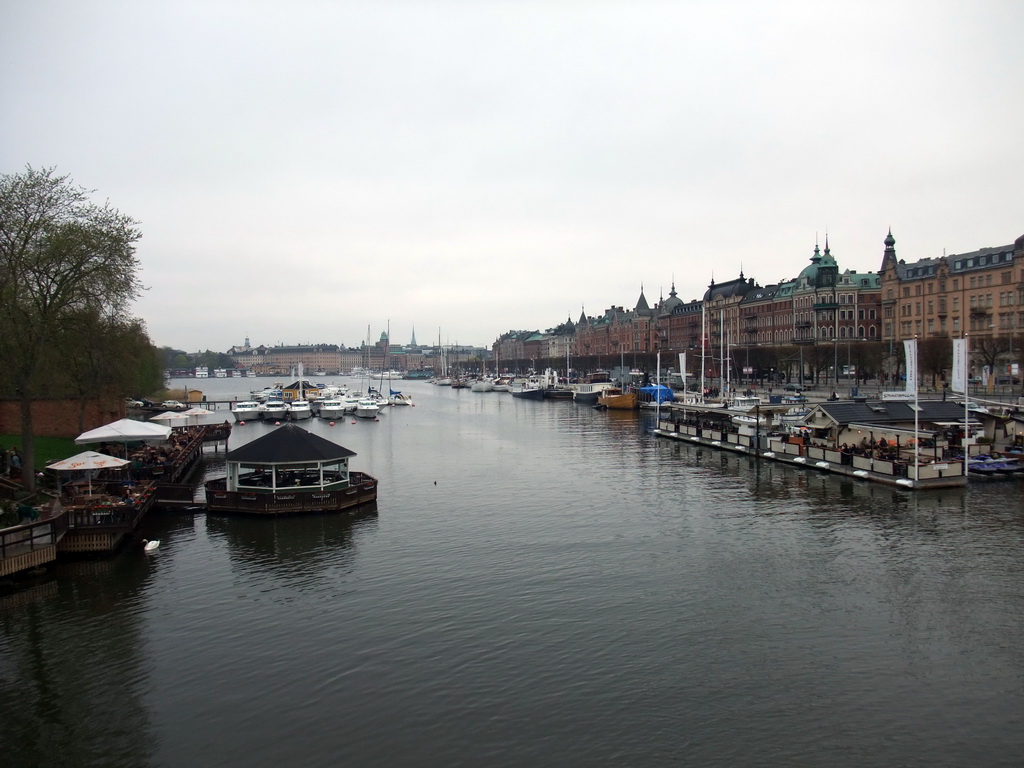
x=170 y=416
x=86 y=460
x=196 y=413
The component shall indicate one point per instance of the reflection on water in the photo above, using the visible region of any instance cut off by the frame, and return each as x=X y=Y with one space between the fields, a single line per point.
x=303 y=546
x=540 y=583
x=73 y=667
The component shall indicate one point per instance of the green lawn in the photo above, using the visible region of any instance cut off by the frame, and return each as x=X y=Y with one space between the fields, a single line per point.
x=48 y=449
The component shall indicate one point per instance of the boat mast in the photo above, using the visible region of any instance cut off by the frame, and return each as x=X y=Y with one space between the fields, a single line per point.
x=703 y=346
x=728 y=361
x=721 y=352
x=657 y=393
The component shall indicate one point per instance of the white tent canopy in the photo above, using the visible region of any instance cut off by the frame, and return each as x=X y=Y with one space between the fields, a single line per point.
x=124 y=431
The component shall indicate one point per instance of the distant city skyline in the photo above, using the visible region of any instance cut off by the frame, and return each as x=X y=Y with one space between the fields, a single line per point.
x=468 y=169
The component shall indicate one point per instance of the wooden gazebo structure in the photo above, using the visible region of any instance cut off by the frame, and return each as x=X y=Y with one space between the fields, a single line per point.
x=289 y=471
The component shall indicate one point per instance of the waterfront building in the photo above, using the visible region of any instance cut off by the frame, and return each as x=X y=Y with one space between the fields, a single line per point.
x=619 y=331
x=978 y=294
x=283 y=359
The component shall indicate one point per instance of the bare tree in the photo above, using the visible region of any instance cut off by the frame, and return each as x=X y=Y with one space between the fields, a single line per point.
x=934 y=356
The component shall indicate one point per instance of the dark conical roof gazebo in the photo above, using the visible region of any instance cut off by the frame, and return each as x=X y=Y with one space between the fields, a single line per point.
x=289 y=470
x=289 y=444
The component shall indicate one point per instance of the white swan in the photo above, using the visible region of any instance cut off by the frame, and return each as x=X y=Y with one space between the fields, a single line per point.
x=149 y=546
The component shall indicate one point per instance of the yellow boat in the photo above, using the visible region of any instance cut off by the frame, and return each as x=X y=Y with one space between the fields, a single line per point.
x=618 y=399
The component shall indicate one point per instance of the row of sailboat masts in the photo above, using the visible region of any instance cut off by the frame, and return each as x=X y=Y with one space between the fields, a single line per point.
x=725 y=352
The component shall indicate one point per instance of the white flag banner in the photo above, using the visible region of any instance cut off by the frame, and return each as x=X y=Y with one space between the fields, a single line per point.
x=959 y=382
x=910 y=352
x=682 y=366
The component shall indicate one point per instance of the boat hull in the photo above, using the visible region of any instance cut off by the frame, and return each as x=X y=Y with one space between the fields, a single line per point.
x=529 y=394
x=367 y=410
x=627 y=401
x=245 y=412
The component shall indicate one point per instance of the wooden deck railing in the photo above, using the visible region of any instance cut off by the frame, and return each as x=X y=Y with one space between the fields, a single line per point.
x=362 y=489
x=32 y=544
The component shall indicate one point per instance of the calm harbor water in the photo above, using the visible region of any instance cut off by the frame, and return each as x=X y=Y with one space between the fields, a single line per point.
x=539 y=584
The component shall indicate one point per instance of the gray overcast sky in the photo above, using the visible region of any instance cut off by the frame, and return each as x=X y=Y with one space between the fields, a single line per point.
x=303 y=170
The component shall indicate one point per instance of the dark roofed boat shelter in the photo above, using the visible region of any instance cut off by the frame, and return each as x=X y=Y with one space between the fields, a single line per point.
x=289 y=470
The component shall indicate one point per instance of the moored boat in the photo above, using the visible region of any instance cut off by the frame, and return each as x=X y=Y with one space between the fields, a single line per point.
x=299 y=409
x=367 y=408
x=246 y=410
x=332 y=408
x=527 y=389
x=618 y=399
x=397 y=398
x=274 y=410
x=588 y=392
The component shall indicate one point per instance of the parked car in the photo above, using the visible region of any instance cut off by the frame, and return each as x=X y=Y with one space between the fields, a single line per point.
x=791 y=387
x=173 y=405
x=131 y=402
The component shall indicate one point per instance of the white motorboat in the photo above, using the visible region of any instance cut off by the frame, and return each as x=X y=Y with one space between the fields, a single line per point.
x=367 y=408
x=267 y=393
x=246 y=410
x=333 y=391
x=299 y=409
x=482 y=385
x=332 y=408
x=274 y=410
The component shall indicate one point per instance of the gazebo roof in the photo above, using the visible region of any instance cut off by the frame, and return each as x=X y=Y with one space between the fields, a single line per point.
x=289 y=444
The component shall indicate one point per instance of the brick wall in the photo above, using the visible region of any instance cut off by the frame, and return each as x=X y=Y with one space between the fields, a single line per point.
x=60 y=417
